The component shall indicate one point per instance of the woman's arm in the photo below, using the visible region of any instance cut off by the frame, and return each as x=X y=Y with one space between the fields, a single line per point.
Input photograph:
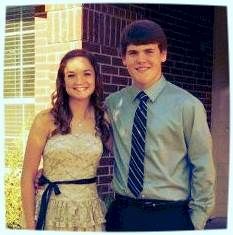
x=35 y=145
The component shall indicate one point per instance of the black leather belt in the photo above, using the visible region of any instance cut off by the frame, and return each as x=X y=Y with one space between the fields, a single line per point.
x=150 y=203
x=53 y=186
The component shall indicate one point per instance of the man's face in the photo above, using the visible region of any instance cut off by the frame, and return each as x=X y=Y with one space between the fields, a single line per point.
x=144 y=63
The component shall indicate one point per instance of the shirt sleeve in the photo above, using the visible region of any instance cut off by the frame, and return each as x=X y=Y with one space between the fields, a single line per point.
x=203 y=176
x=107 y=104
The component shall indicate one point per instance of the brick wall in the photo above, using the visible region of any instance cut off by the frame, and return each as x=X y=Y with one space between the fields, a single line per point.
x=189 y=64
x=58 y=29
x=190 y=33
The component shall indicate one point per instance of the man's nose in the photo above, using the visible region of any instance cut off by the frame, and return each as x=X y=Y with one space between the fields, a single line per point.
x=141 y=57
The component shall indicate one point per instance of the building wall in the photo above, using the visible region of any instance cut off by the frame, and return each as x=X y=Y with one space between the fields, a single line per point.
x=58 y=29
x=220 y=110
x=189 y=30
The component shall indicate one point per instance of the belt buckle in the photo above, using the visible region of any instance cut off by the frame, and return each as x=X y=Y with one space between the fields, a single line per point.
x=149 y=204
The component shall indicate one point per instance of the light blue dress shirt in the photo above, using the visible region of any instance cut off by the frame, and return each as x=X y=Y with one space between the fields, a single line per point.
x=178 y=152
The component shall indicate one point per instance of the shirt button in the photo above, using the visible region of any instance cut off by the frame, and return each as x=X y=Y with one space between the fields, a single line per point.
x=143 y=196
x=153 y=205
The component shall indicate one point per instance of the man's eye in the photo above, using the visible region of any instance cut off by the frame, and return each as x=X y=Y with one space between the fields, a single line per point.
x=132 y=53
x=150 y=52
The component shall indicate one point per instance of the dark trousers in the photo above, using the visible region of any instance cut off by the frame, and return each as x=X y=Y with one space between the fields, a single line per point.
x=129 y=215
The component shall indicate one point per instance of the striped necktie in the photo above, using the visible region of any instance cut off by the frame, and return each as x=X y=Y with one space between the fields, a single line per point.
x=136 y=164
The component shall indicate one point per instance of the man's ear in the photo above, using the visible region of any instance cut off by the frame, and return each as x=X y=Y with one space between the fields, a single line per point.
x=123 y=60
x=163 y=56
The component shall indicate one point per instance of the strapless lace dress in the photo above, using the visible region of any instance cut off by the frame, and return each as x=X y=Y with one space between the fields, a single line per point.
x=78 y=207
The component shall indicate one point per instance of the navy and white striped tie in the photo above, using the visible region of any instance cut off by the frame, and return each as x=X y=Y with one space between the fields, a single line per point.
x=136 y=164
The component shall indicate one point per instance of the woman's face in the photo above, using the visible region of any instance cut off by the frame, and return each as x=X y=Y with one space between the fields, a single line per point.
x=79 y=78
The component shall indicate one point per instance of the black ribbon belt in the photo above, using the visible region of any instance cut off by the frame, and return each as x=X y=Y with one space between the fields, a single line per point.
x=53 y=186
x=150 y=203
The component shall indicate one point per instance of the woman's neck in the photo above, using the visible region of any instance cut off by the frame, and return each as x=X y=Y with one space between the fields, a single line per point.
x=81 y=109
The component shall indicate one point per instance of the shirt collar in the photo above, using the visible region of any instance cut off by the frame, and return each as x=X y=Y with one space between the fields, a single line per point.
x=152 y=92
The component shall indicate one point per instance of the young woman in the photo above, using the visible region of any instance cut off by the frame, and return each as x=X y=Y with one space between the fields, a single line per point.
x=70 y=138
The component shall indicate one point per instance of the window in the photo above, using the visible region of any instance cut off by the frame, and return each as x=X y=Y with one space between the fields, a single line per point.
x=19 y=75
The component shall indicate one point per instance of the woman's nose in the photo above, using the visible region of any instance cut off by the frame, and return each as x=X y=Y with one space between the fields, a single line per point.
x=78 y=79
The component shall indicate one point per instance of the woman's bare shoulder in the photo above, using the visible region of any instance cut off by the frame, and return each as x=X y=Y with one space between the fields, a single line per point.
x=45 y=115
x=44 y=119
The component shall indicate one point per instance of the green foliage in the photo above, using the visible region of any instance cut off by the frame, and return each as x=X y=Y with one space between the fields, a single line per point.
x=14 y=156
x=13 y=199
x=13 y=164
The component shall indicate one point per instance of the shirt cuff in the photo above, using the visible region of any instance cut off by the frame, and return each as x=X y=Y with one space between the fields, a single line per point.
x=199 y=219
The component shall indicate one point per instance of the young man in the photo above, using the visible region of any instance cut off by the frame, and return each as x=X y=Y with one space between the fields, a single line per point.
x=164 y=174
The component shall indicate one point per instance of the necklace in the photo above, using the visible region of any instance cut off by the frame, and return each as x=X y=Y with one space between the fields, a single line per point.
x=80 y=124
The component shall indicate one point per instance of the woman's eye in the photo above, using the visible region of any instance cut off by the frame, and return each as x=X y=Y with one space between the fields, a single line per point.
x=70 y=76
x=87 y=74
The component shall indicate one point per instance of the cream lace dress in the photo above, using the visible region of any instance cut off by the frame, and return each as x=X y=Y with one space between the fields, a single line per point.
x=78 y=207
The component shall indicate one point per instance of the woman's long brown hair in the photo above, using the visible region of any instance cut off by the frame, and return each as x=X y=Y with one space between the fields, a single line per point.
x=60 y=99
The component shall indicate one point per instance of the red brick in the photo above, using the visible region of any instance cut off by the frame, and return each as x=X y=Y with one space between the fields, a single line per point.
x=106 y=78
x=96 y=27
x=109 y=69
x=104 y=59
x=106 y=161
x=107 y=31
x=109 y=50
x=113 y=32
x=109 y=9
x=103 y=170
x=123 y=72
x=111 y=170
x=110 y=88
x=98 y=7
x=102 y=188
x=120 y=80
x=91 y=47
x=117 y=61
x=105 y=179
x=91 y=28
x=118 y=32
x=102 y=29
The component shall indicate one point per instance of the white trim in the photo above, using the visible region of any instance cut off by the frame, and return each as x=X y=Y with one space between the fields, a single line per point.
x=19 y=100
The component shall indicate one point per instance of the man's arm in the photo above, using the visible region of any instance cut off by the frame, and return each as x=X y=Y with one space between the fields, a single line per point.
x=199 y=147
